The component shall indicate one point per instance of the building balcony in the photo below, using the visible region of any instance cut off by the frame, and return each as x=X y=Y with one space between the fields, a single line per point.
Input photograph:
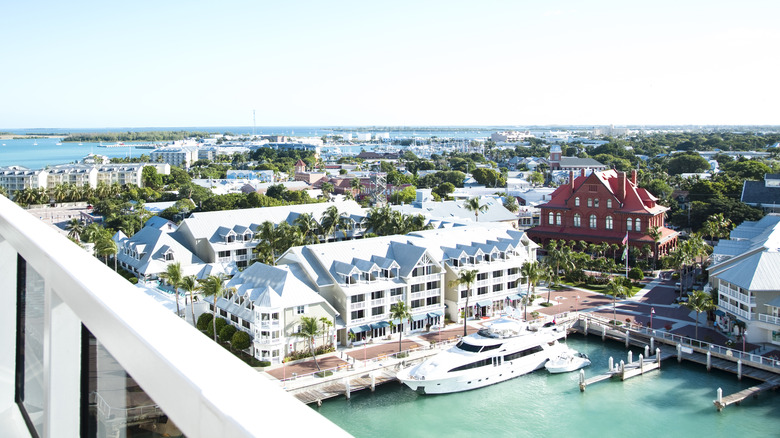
x=771 y=319
x=357 y=306
x=73 y=312
x=736 y=310
x=733 y=293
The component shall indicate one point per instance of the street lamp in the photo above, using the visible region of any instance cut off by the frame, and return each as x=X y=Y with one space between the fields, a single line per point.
x=652 y=312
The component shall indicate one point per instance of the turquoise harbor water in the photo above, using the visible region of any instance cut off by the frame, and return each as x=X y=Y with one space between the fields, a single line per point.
x=675 y=402
x=46 y=152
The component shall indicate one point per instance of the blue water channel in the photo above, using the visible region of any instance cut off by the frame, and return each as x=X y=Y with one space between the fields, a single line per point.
x=675 y=402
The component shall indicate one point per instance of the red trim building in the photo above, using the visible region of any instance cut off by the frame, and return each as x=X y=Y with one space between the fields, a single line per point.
x=602 y=207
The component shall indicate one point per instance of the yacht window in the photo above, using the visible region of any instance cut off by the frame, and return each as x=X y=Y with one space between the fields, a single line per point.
x=468 y=347
x=477 y=364
x=525 y=352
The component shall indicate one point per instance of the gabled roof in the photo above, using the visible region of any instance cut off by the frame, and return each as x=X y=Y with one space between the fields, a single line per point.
x=154 y=244
x=757 y=272
x=279 y=286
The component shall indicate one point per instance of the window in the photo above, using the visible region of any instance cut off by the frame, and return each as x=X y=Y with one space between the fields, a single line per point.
x=397 y=291
x=577 y=220
x=550 y=219
x=498 y=273
x=417 y=288
x=596 y=202
x=358 y=298
x=498 y=287
x=609 y=222
x=358 y=314
x=377 y=310
x=511 y=285
x=482 y=276
x=234 y=318
x=417 y=303
x=169 y=256
x=558 y=219
x=593 y=221
x=432 y=301
x=432 y=285
x=241 y=252
x=609 y=203
x=590 y=202
x=482 y=290
x=513 y=271
x=377 y=295
x=464 y=293
x=300 y=310
x=628 y=224
x=30 y=392
x=638 y=225
x=223 y=254
x=577 y=201
x=244 y=323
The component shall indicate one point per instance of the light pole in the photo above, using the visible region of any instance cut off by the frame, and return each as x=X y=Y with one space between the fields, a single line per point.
x=652 y=312
x=744 y=335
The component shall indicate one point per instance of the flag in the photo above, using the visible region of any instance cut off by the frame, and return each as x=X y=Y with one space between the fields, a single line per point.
x=625 y=253
x=625 y=239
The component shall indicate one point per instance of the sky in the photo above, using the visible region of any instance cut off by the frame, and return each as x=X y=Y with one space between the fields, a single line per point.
x=139 y=63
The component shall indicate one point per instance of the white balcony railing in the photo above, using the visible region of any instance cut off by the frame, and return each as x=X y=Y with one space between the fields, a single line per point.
x=357 y=306
x=176 y=370
x=736 y=310
x=771 y=319
x=738 y=296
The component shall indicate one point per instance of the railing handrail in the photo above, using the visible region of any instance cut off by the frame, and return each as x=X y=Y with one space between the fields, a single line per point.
x=175 y=369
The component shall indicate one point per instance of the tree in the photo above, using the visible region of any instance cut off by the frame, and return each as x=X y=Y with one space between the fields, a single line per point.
x=699 y=301
x=105 y=247
x=466 y=277
x=309 y=330
x=74 y=229
x=240 y=340
x=510 y=203
x=689 y=162
x=173 y=277
x=326 y=324
x=212 y=286
x=309 y=227
x=535 y=178
x=473 y=204
x=716 y=226
x=444 y=189
x=189 y=284
x=615 y=288
x=150 y=178
x=655 y=234
x=400 y=311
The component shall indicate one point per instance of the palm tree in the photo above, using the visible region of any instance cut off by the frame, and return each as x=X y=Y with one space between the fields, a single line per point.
x=473 y=204
x=699 y=301
x=326 y=324
x=308 y=226
x=74 y=229
x=615 y=287
x=172 y=276
x=309 y=330
x=189 y=284
x=466 y=277
x=355 y=185
x=212 y=286
x=400 y=311
x=655 y=234
x=717 y=226
x=105 y=247
x=330 y=221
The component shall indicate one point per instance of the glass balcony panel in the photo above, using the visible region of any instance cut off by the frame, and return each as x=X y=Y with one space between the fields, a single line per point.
x=30 y=384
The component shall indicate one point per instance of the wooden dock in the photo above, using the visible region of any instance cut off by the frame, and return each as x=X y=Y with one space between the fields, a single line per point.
x=738 y=397
x=627 y=370
x=317 y=392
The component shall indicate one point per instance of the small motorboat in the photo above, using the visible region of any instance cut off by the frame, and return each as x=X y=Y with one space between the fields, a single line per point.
x=569 y=360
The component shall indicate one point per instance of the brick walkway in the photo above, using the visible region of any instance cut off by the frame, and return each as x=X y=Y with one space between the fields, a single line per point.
x=371 y=352
x=306 y=367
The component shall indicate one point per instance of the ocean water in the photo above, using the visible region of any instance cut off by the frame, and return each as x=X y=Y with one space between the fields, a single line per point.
x=47 y=153
x=675 y=402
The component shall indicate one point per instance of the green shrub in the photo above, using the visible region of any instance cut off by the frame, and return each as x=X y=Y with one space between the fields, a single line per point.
x=204 y=321
x=226 y=333
x=221 y=323
x=546 y=304
x=264 y=363
x=133 y=280
x=240 y=340
x=636 y=274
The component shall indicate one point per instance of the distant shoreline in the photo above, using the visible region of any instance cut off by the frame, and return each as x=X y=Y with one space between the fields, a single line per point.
x=25 y=136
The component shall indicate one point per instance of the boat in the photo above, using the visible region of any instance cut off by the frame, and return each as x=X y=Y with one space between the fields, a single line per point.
x=500 y=351
x=569 y=360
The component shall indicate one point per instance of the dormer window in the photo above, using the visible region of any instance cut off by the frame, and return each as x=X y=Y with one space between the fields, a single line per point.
x=169 y=256
x=230 y=238
x=247 y=237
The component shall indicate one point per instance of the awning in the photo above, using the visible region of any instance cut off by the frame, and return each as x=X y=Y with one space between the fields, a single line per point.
x=419 y=317
x=485 y=303
x=515 y=297
x=380 y=324
x=720 y=313
x=435 y=314
x=361 y=329
x=774 y=303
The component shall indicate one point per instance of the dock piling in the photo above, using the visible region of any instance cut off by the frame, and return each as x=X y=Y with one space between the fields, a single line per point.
x=658 y=356
x=679 y=352
x=373 y=382
x=652 y=343
x=603 y=333
x=641 y=364
x=586 y=326
x=739 y=369
x=709 y=361
x=627 y=336
x=630 y=357
x=611 y=364
x=647 y=351
x=582 y=380
x=346 y=387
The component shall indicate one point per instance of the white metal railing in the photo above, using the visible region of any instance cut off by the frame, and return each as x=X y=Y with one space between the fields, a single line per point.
x=176 y=370
x=738 y=295
x=736 y=310
x=395 y=299
x=771 y=319
x=433 y=292
x=357 y=306
x=699 y=346
x=377 y=302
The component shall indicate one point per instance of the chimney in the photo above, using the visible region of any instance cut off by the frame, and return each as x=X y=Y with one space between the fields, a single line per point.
x=571 y=180
x=582 y=172
x=621 y=188
x=633 y=177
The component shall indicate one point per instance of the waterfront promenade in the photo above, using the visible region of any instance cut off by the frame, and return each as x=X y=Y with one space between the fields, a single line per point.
x=365 y=360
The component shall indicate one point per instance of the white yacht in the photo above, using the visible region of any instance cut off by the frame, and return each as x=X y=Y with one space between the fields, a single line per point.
x=501 y=351
x=569 y=360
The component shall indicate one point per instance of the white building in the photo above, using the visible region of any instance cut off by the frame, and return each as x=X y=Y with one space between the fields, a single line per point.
x=180 y=156
x=268 y=303
x=746 y=274
x=17 y=178
x=363 y=136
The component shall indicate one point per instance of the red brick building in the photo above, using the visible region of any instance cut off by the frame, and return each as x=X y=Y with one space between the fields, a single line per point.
x=601 y=207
